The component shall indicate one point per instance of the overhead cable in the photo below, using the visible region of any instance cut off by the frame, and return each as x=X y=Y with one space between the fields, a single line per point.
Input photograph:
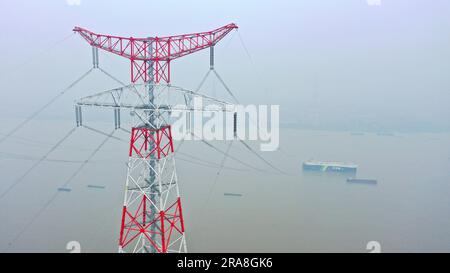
x=37 y=163
x=37 y=112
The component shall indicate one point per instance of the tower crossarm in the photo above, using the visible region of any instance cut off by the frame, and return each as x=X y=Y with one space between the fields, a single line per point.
x=165 y=48
x=167 y=98
x=172 y=47
x=144 y=52
x=131 y=48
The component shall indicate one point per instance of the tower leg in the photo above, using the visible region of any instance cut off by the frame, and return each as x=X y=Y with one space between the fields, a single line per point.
x=152 y=216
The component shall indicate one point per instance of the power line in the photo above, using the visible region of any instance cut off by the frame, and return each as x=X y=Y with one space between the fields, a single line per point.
x=260 y=157
x=201 y=162
x=111 y=76
x=33 y=219
x=249 y=56
x=237 y=101
x=37 y=163
x=216 y=178
x=55 y=195
x=206 y=163
x=212 y=166
x=245 y=48
x=36 y=143
x=34 y=158
x=88 y=159
x=232 y=157
x=253 y=65
x=225 y=86
x=102 y=133
x=37 y=112
x=51 y=101
x=37 y=55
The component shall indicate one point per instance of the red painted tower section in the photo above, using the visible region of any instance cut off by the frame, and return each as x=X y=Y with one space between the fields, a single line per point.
x=150 y=58
x=159 y=230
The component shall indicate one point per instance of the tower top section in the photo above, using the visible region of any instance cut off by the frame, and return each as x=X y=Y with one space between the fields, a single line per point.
x=150 y=57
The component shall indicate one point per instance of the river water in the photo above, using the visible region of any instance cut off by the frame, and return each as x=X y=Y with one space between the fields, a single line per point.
x=408 y=209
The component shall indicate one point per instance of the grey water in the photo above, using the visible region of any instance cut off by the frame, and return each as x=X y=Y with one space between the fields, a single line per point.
x=408 y=209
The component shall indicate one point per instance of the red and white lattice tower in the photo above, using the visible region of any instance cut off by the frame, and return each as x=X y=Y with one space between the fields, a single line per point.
x=152 y=215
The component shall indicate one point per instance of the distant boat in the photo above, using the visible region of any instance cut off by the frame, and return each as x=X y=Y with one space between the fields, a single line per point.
x=328 y=166
x=64 y=189
x=385 y=134
x=362 y=181
x=232 y=194
x=96 y=187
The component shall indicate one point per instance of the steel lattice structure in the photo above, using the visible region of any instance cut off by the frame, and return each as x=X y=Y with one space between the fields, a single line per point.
x=150 y=57
x=152 y=215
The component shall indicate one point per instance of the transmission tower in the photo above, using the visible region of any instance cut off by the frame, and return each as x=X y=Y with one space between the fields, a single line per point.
x=152 y=215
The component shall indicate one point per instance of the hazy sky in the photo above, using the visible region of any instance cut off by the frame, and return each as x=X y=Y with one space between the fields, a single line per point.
x=328 y=60
x=332 y=63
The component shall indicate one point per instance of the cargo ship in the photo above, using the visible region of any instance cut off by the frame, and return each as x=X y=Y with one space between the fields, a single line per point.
x=362 y=181
x=324 y=166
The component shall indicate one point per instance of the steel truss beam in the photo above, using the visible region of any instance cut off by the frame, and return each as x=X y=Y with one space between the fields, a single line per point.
x=160 y=51
x=166 y=98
